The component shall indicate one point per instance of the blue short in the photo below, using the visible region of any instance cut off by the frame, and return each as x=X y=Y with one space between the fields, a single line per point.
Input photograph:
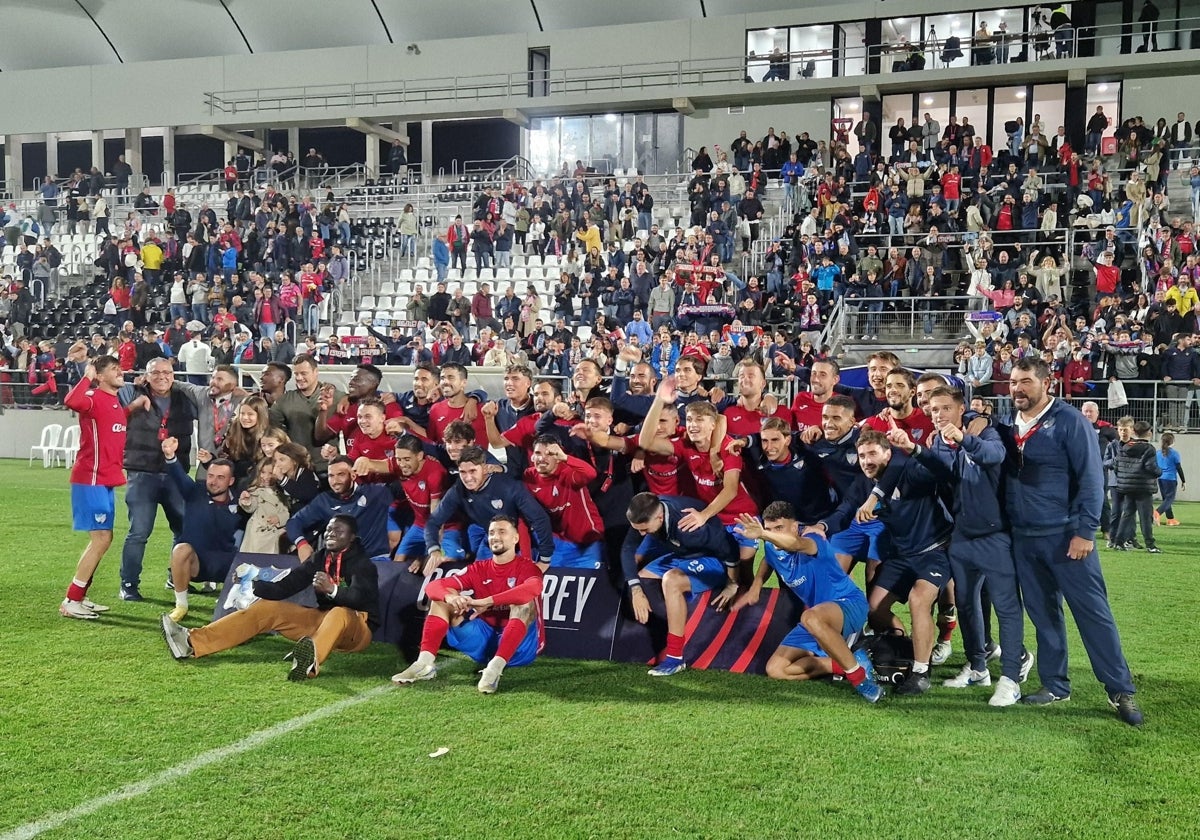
x=569 y=555
x=898 y=575
x=743 y=541
x=479 y=640
x=860 y=540
x=705 y=573
x=854 y=616
x=93 y=507
x=452 y=544
x=393 y=527
x=412 y=544
x=479 y=544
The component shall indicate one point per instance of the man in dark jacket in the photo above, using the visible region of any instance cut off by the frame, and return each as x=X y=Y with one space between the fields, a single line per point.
x=1050 y=448
x=346 y=585
x=1137 y=471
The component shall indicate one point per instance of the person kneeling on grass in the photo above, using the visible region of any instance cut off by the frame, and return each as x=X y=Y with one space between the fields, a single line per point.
x=506 y=601
x=835 y=609
x=210 y=518
x=346 y=584
x=688 y=561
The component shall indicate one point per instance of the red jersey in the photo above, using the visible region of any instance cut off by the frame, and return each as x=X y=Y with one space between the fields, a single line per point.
x=345 y=422
x=708 y=487
x=442 y=414
x=523 y=432
x=423 y=488
x=566 y=489
x=127 y=355
x=916 y=424
x=806 y=411
x=382 y=448
x=101 y=436
x=742 y=421
x=518 y=581
x=662 y=473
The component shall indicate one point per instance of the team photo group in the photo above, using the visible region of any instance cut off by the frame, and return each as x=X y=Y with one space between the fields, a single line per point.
x=975 y=522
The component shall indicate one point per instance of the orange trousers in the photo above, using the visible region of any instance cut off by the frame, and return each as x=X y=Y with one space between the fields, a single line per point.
x=340 y=628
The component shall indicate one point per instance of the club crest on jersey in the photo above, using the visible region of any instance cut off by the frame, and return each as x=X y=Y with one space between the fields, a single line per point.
x=851 y=457
x=497 y=503
x=512 y=582
x=1048 y=424
x=896 y=495
x=421 y=485
x=916 y=433
x=798 y=465
x=100 y=518
x=362 y=502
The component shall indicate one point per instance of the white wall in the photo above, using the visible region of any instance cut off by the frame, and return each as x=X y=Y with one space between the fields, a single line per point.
x=1154 y=98
x=717 y=126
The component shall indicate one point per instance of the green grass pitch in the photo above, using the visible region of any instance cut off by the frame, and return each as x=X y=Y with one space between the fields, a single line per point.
x=566 y=749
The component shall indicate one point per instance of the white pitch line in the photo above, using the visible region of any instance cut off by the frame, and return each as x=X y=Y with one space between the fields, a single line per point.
x=186 y=768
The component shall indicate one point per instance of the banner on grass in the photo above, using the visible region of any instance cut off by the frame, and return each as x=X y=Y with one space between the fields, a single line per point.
x=585 y=617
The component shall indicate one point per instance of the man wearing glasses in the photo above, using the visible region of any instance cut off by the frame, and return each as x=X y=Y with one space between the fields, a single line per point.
x=158 y=409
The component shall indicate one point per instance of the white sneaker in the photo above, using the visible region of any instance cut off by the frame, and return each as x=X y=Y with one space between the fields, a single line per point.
x=93 y=606
x=1007 y=693
x=941 y=652
x=489 y=681
x=415 y=673
x=1026 y=665
x=74 y=609
x=967 y=677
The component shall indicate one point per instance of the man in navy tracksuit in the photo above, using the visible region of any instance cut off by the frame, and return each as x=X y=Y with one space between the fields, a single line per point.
x=980 y=548
x=367 y=503
x=477 y=497
x=1054 y=489
x=916 y=566
x=688 y=562
x=788 y=474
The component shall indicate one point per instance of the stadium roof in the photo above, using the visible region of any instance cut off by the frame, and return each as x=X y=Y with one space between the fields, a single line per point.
x=39 y=34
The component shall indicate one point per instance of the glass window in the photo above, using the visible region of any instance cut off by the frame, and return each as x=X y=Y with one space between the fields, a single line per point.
x=947 y=40
x=811 y=51
x=971 y=106
x=605 y=146
x=1049 y=109
x=898 y=35
x=543 y=145
x=573 y=142
x=852 y=41
x=1005 y=27
x=1008 y=113
x=1106 y=95
x=761 y=44
x=846 y=113
x=1108 y=29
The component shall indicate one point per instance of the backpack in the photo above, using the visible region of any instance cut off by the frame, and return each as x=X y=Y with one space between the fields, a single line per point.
x=891 y=655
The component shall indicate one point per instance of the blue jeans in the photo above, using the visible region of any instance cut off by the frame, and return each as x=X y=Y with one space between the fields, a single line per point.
x=408 y=245
x=179 y=310
x=1091 y=142
x=200 y=312
x=266 y=331
x=144 y=494
x=312 y=319
x=344 y=232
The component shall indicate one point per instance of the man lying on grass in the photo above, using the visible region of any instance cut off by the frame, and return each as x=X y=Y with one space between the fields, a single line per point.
x=346 y=584
x=499 y=623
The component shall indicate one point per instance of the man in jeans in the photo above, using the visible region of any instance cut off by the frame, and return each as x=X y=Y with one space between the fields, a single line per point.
x=1181 y=373
x=1137 y=471
x=157 y=410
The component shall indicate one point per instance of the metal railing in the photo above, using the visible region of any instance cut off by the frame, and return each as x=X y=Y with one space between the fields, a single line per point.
x=801 y=66
x=1152 y=400
x=940 y=319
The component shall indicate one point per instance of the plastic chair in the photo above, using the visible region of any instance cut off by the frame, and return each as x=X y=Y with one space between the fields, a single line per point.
x=70 y=446
x=51 y=442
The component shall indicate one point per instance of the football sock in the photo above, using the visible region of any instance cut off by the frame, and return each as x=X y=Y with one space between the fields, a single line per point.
x=434 y=634
x=77 y=591
x=920 y=668
x=181 y=599
x=510 y=639
x=674 y=646
x=838 y=670
x=857 y=676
